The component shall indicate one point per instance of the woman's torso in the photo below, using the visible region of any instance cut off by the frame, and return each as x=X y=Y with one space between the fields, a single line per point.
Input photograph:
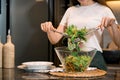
x=89 y=17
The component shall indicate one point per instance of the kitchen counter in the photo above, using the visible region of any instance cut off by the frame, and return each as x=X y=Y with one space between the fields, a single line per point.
x=18 y=74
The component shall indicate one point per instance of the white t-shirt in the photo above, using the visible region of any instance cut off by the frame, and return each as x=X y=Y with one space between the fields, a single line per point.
x=89 y=17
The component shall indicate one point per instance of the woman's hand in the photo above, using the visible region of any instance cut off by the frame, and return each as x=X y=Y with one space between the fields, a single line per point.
x=106 y=22
x=47 y=27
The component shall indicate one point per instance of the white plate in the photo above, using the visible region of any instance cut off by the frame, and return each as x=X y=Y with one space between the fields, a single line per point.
x=53 y=69
x=44 y=65
x=38 y=63
x=23 y=67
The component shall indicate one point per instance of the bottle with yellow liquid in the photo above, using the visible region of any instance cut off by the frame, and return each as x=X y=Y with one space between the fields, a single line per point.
x=8 y=53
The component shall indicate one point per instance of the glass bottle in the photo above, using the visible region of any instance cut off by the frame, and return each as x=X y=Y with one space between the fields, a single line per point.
x=9 y=53
x=1 y=50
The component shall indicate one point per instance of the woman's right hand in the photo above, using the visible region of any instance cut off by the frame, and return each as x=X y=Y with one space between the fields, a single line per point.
x=47 y=27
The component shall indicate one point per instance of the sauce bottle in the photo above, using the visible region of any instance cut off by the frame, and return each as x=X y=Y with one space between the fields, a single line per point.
x=8 y=53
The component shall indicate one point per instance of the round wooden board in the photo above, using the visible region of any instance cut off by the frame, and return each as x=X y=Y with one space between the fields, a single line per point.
x=87 y=73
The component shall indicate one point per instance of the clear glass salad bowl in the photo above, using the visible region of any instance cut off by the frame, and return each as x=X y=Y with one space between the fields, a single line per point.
x=73 y=61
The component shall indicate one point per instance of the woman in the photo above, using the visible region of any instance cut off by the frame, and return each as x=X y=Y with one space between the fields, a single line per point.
x=85 y=13
x=113 y=29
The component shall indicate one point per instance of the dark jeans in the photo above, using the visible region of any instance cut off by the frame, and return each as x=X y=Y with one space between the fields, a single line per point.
x=98 y=61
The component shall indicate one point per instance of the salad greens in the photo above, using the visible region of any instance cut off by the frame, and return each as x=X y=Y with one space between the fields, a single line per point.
x=75 y=61
x=74 y=34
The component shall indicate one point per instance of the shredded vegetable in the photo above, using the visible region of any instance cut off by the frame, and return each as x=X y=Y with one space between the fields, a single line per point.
x=74 y=34
x=75 y=62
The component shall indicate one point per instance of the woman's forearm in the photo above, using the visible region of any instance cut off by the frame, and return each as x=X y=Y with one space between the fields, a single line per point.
x=56 y=37
x=115 y=33
x=49 y=29
x=53 y=37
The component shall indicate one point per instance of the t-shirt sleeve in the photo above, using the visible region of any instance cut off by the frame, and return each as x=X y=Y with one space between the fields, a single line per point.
x=65 y=17
x=110 y=14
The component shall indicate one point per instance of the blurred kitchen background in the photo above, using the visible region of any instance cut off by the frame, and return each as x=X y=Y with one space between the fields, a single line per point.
x=23 y=18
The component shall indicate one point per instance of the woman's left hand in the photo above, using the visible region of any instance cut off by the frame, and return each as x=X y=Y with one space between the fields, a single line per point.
x=106 y=22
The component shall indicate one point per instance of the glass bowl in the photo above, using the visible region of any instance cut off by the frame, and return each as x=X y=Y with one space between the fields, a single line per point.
x=73 y=61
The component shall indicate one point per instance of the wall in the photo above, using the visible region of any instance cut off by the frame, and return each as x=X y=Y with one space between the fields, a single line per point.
x=3 y=21
x=31 y=44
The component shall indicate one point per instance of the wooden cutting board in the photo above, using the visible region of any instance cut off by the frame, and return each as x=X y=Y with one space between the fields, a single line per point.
x=87 y=73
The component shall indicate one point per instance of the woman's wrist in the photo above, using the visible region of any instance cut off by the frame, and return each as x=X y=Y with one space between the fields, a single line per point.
x=49 y=32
